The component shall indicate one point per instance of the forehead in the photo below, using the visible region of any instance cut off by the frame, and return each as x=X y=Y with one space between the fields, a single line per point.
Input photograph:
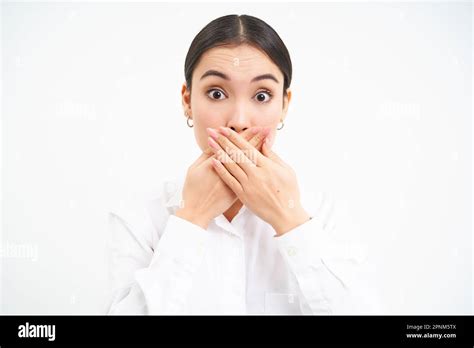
x=237 y=61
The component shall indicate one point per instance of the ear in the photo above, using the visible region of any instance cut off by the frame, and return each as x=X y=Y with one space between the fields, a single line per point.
x=286 y=103
x=186 y=99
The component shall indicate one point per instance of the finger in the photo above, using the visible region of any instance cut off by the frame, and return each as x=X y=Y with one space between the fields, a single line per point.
x=257 y=138
x=208 y=151
x=252 y=135
x=243 y=160
x=228 y=178
x=248 y=134
x=227 y=161
x=244 y=146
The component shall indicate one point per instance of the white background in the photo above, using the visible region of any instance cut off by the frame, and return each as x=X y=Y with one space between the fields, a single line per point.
x=380 y=118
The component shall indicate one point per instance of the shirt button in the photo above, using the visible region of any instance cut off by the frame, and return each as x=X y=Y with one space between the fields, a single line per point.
x=291 y=251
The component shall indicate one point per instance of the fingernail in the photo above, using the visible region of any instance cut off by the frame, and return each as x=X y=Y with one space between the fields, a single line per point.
x=224 y=130
x=212 y=143
x=212 y=133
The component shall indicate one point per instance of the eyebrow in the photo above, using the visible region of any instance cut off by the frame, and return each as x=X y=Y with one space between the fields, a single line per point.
x=225 y=77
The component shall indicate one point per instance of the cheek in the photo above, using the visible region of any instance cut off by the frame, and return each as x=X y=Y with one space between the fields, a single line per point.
x=204 y=114
x=204 y=117
x=268 y=115
x=272 y=116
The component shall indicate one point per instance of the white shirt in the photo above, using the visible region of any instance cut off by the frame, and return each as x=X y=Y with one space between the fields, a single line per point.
x=162 y=264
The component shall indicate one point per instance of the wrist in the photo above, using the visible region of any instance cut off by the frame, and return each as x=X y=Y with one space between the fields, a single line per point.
x=286 y=222
x=193 y=217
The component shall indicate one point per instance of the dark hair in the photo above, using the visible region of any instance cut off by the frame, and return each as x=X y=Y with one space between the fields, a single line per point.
x=235 y=30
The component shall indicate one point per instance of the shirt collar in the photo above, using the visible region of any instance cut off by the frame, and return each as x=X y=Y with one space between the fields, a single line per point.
x=231 y=227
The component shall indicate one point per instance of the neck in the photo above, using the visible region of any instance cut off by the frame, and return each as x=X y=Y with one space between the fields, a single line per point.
x=233 y=210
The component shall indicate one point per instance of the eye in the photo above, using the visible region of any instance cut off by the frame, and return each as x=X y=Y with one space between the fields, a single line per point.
x=215 y=94
x=263 y=96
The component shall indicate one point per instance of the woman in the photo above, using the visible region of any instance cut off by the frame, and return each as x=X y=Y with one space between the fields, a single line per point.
x=235 y=237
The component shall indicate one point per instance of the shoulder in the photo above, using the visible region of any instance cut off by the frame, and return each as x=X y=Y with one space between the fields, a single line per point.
x=144 y=214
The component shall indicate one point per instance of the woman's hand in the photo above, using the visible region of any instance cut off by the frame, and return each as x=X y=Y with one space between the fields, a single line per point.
x=264 y=183
x=205 y=195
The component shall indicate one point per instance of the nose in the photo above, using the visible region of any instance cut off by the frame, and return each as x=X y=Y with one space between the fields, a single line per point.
x=238 y=129
x=239 y=121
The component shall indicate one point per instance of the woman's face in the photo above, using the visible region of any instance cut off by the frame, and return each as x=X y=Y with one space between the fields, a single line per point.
x=237 y=87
